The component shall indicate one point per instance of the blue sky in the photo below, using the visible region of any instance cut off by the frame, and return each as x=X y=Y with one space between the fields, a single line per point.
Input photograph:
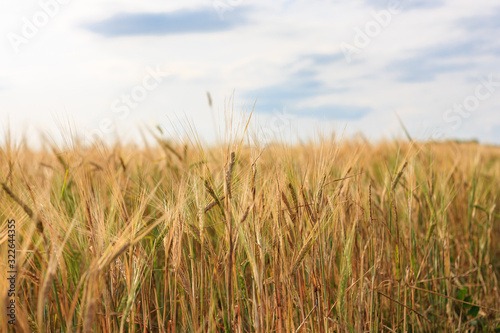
x=181 y=21
x=329 y=65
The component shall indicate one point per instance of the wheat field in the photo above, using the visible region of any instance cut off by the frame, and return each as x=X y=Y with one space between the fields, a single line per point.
x=330 y=235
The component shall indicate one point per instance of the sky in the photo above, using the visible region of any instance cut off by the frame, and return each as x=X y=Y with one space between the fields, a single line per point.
x=108 y=68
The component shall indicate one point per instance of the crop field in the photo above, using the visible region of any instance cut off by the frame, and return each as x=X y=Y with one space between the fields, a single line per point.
x=332 y=235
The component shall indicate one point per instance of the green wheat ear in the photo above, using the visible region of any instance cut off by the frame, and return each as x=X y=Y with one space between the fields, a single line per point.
x=345 y=273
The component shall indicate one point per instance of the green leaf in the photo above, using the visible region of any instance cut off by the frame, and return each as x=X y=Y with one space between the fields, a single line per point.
x=469 y=300
x=462 y=293
x=473 y=311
